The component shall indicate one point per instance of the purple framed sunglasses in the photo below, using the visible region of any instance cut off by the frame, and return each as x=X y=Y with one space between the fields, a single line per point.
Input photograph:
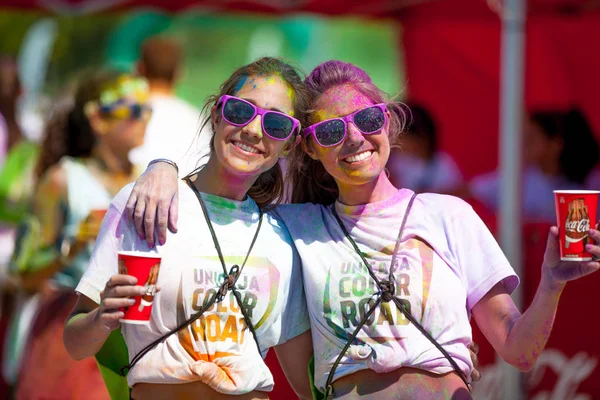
x=239 y=112
x=331 y=132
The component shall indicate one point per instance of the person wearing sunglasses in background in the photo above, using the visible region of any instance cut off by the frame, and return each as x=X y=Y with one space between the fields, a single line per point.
x=230 y=281
x=82 y=165
x=391 y=277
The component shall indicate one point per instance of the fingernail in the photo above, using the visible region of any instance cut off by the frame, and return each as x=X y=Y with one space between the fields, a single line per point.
x=132 y=301
x=142 y=290
x=150 y=244
x=588 y=247
x=161 y=242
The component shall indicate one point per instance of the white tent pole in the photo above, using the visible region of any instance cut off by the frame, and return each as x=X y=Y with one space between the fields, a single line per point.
x=511 y=125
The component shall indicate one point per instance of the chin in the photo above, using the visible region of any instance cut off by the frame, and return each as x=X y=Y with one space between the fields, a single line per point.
x=362 y=175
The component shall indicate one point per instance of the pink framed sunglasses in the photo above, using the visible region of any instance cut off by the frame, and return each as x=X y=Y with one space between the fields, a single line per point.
x=275 y=124
x=331 y=132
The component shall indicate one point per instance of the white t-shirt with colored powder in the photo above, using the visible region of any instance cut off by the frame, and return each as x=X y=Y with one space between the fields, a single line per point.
x=447 y=262
x=218 y=349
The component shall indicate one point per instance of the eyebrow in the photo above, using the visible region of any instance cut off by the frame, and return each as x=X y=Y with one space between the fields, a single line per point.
x=272 y=108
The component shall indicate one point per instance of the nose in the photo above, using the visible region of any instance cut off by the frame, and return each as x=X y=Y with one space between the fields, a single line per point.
x=254 y=128
x=354 y=137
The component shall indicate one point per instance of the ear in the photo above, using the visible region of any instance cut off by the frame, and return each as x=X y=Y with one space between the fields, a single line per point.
x=215 y=117
x=92 y=112
x=308 y=149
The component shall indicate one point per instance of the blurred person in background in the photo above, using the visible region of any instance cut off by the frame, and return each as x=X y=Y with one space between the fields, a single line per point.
x=83 y=164
x=560 y=152
x=17 y=162
x=418 y=164
x=17 y=159
x=173 y=128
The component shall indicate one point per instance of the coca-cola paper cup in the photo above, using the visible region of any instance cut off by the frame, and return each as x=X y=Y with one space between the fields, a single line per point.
x=576 y=213
x=145 y=267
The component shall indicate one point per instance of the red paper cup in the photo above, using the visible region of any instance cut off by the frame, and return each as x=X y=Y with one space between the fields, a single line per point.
x=145 y=267
x=576 y=213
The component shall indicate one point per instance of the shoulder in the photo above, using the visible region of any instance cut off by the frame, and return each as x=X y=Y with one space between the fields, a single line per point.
x=442 y=207
x=292 y=213
x=54 y=181
x=120 y=200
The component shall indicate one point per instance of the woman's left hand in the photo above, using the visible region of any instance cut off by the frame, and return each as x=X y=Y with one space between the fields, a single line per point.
x=557 y=273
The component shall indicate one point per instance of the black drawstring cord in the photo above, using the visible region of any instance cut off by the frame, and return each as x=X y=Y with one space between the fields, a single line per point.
x=386 y=293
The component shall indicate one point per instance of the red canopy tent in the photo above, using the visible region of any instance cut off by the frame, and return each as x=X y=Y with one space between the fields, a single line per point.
x=453 y=64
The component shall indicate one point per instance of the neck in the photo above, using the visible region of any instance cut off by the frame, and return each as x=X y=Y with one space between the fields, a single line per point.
x=550 y=168
x=379 y=189
x=216 y=180
x=161 y=88
x=113 y=163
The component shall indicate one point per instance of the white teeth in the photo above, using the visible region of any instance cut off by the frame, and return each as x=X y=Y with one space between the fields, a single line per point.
x=359 y=156
x=246 y=148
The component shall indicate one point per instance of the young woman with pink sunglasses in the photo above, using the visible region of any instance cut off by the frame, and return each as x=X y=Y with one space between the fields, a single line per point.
x=230 y=280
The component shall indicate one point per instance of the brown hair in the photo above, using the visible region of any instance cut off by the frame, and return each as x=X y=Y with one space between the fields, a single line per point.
x=161 y=58
x=311 y=183
x=68 y=131
x=268 y=190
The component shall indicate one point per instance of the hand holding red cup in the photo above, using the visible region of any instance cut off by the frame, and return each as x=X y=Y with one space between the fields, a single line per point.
x=145 y=268
x=576 y=214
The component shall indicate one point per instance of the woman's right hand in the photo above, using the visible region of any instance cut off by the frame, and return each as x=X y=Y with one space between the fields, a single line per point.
x=118 y=293
x=154 y=199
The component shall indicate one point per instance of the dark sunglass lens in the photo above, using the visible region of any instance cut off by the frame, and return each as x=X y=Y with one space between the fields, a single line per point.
x=277 y=125
x=136 y=111
x=238 y=112
x=330 y=132
x=369 y=120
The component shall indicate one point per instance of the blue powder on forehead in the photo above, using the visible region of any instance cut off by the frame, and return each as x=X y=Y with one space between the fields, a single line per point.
x=241 y=84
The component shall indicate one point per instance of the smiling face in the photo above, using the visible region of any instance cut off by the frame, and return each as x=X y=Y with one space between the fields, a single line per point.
x=247 y=150
x=359 y=159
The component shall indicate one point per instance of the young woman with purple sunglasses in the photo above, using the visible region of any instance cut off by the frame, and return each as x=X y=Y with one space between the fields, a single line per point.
x=230 y=280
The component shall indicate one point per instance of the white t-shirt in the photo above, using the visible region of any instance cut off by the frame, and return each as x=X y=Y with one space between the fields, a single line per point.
x=173 y=132
x=447 y=262
x=218 y=349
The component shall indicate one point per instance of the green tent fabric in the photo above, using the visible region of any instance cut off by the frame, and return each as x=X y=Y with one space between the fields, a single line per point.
x=111 y=357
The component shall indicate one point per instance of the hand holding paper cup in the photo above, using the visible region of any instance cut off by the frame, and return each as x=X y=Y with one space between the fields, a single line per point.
x=576 y=213
x=145 y=267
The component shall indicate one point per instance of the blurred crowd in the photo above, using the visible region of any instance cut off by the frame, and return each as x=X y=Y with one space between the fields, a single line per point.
x=101 y=132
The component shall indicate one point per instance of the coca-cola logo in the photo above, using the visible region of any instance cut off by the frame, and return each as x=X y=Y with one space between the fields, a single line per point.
x=581 y=226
